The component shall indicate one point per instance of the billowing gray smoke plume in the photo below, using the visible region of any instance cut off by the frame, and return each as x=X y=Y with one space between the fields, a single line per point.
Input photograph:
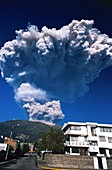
x=54 y=65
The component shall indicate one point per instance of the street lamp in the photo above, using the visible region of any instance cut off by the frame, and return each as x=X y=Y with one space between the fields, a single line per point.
x=10 y=140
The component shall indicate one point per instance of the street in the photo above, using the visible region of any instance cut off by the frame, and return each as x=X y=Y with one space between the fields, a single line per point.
x=26 y=163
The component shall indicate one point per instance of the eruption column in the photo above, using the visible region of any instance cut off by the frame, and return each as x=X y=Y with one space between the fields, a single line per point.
x=50 y=66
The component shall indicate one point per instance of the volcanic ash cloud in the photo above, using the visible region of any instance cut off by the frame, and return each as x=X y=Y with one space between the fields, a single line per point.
x=50 y=66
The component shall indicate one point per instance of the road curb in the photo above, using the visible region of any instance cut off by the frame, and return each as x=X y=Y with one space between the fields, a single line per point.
x=56 y=168
x=7 y=162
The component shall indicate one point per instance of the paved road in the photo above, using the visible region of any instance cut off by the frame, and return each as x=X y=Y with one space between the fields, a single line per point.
x=26 y=163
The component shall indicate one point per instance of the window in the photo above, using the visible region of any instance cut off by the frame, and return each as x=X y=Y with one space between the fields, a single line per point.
x=67 y=138
x=110 y=139
x=110 y=152
x=93 y=143
x=102 y=151
x=74 y=138
x=105 y=129
x=67 y=149
x=93 y=131
x=102 y=139
x=75 y=150
x=75 y=127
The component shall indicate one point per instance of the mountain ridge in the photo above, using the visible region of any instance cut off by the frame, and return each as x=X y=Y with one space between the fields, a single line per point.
x=27 y=131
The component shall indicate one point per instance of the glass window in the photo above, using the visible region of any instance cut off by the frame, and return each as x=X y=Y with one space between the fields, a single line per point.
x=67 y=149
x=102 y=151
x=105 y=129
x=93 y=131
x=110 y=139
x=67 y=138
x=94 y=143
x=75 y=127
x=74 y=138
x=75 y=150
x=101 y=129
x=110 y=152
x=102 y=139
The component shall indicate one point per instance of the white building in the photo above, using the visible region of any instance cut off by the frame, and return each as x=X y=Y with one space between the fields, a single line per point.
x=3 y=147
x=88 y=139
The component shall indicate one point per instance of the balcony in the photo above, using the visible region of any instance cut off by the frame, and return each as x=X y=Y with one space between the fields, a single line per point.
x=92 y=138
x=77 y=143
x=76 y=132
x=93 y=149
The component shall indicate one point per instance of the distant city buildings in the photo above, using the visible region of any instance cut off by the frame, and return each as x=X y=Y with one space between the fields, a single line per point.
x=90 y=139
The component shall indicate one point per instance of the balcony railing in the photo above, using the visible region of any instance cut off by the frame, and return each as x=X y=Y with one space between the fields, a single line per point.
x=79 y=132
x=93 y=149
x=76 y=143
x=92 y=138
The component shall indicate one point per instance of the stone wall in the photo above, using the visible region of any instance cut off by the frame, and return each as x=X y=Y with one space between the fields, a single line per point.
x=69 y=161
x=109 y=163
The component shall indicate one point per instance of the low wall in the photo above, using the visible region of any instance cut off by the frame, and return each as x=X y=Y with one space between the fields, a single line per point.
x=109 y=163
x=69 y=161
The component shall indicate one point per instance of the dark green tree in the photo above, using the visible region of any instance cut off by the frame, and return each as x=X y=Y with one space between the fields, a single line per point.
x=25 y=148
x=55 y=141
x=41 y=144
x=52 y=140
x=18 y=151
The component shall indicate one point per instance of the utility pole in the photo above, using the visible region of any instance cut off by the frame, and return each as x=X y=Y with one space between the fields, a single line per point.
x=10 y=141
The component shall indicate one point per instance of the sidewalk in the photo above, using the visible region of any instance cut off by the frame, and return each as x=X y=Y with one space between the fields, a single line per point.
x=7 y=162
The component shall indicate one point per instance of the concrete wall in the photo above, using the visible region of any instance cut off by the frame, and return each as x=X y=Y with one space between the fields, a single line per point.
x=109 y=163
x=69 y=161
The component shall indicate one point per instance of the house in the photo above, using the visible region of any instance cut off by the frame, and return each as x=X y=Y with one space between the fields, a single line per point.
x=92 y=139
x=3 y=146
x=11 y=142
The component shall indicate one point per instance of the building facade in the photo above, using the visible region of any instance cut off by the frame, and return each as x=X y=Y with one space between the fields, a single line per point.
x=90 y=139
x=11 y=142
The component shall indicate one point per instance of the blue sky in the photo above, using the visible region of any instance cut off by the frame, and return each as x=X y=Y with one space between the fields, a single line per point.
x=96 y=105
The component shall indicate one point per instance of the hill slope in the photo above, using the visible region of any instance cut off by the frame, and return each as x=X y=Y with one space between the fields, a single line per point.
x=27 y=131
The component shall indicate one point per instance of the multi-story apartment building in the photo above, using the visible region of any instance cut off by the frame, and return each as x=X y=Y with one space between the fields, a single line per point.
x=88 y=139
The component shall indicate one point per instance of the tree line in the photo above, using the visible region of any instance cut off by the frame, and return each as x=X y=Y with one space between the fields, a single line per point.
x=53 y=140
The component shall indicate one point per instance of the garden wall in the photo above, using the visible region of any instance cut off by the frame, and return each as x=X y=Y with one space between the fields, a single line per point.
x=69 y=161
